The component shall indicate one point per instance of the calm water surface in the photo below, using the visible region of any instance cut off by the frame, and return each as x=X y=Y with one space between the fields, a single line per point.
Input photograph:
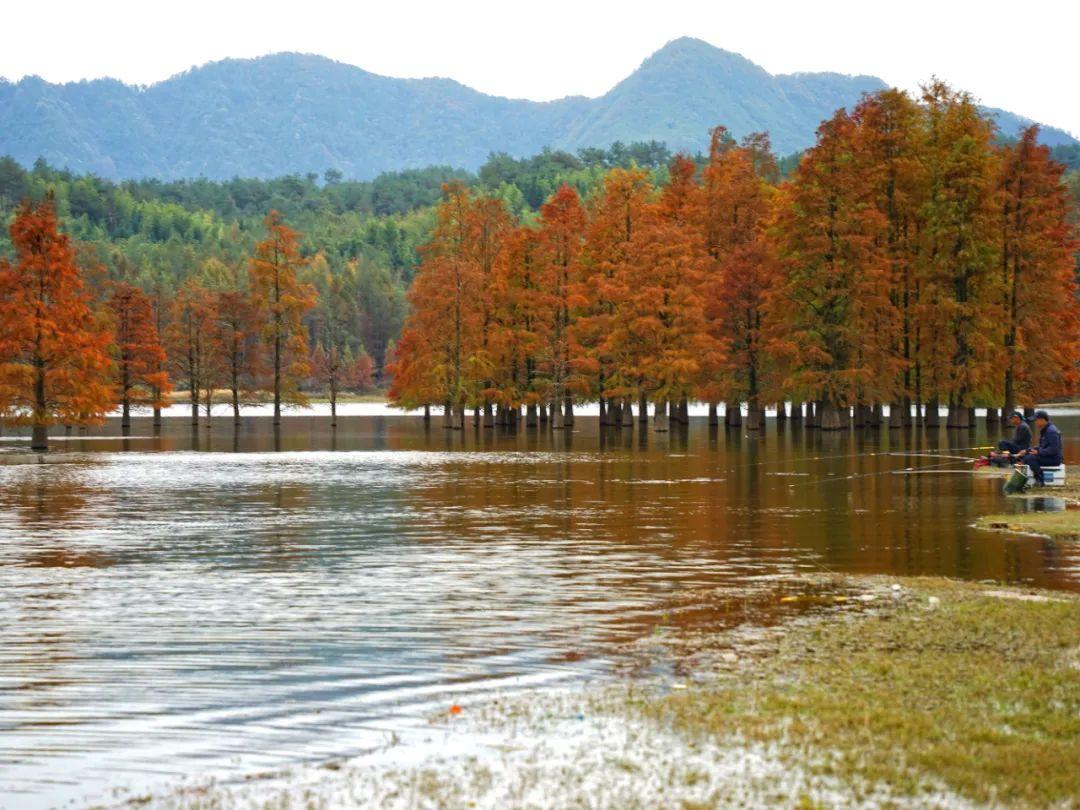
x=231 y=600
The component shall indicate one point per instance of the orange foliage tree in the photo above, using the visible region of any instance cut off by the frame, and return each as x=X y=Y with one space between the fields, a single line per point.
x=329 y=367
x=141 y=378
x=283 y=301
x=360 y=372
x=960 y=297
x=1040 y=315
x=488 y=223
x=190 y=340
x=615 y=214
x=54 y=359
x=557 y=271
x=659 y=339
x=237 y=343
x=417 y=377
x=827 y=311
x=890 y=143
x=516 y=333
x=445 y=353
x=737 y=201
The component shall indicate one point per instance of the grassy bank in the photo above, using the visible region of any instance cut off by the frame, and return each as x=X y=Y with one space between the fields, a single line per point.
x=1063 y=525
x=929 y=693
x=956 y=688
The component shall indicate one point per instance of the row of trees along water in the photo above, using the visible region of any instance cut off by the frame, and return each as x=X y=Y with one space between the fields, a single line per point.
x=72 y=350
x=910 y=259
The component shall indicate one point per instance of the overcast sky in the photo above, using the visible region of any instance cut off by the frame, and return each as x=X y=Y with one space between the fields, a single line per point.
x=1021 y=56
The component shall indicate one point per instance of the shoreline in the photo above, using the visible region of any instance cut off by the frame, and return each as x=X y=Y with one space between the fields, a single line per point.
x=909 y=692
x=1063 y=524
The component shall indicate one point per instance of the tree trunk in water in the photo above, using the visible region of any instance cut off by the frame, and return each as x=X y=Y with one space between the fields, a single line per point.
x=489 y=418
x=459 y=416
x=755 y=416
x=714 y=415
x=125 y=413
x=39 y=439
x=971 y=418
x=1029 y=413
x=530 y=416
x=877 y=418
x=906 y=418
x=542 y=413
x=958 y=415
x=781 y=411
x=568 y=412
x=603 y=412
x=993 y=416
x=427 y=413
x=236 y=406
x=796 y=411
x=157 y=416
x=627 y=414
x=660 y=418
x=643 y=409
x=333 y=410
x=811 y=414
x=896 y=416
x=556 y=415
x=830 y=418
x=615 y=412
x=933 y=413
x=448 y=415
x=732 y=414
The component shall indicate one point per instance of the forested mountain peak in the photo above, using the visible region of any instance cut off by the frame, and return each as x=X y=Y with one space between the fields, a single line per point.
x=297 y=113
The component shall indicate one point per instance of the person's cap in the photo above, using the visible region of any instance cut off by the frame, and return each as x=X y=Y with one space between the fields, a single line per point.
x=1041 y=414
x=1018 y=415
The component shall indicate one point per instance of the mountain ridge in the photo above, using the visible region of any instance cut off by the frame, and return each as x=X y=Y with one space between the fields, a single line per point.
x=294 y=113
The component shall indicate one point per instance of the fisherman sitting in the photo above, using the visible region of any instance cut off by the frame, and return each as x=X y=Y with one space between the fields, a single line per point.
x=1048 y=453
x=1020 y=441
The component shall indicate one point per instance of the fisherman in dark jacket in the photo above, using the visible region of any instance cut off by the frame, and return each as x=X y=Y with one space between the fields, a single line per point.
x=1048 y=453
x=1021 y=440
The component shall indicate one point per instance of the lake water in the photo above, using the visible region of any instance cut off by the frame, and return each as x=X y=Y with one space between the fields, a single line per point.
x=224 y=601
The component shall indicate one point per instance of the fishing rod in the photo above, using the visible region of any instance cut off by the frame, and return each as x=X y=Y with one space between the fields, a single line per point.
x=856 y=476
x=927 y=453
x=932 y=455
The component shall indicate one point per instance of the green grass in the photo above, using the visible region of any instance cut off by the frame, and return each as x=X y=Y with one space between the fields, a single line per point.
x=978 y=695
x=1064 y=525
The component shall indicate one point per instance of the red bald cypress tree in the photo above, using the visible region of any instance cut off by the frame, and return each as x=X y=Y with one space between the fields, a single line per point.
x=1040 y=314
x=283 y=301
x=54 y=359
x=139 y=357
x=737 y=202
x=615 y=214
x=826 y=312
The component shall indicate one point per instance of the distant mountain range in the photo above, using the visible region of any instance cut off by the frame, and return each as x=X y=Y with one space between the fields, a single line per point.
x=290 y=112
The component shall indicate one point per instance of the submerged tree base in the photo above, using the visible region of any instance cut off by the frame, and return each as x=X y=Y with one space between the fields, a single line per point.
x=929 y=693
